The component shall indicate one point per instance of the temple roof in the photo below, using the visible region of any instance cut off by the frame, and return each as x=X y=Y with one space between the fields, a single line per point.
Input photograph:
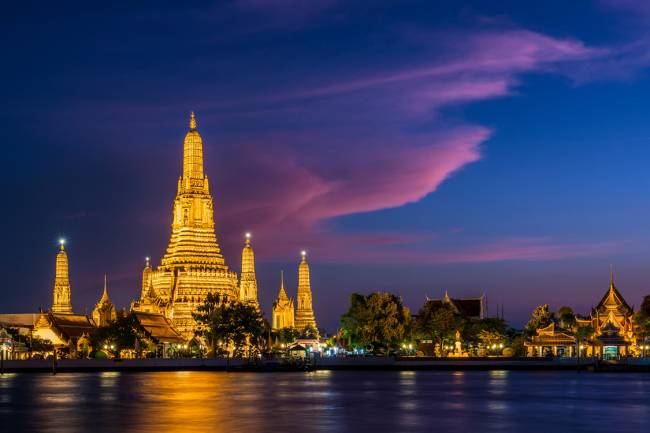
x=613 y=300
x=68 y=325
x=159 y=327
x=468 y=307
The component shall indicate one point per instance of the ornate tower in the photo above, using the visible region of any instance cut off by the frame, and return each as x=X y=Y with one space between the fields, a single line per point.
x=248 y=282
x=104 y=311
x=304 y=311
x=282 y=309
x=193 y=265
x=61 y=297
x=146 y=280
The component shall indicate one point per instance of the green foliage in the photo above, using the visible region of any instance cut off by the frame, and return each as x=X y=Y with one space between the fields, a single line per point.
x=567 y=317
x=439 y=323
x=542 y=317
x=121 y=334
x=378 y=321
x=518 y=347
x=233 y=323
x=308 y=332
x=287 y=335
x=489 y=328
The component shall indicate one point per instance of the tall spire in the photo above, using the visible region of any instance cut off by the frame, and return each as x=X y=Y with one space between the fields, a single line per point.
x=105 y=294
x=192 y=156
x=248 y=282
x=282 y=294
x=61 y=294
x=304 y=310
x=146 y=280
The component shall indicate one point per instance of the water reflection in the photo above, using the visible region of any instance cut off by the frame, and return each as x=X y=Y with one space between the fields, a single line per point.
x=323 y=402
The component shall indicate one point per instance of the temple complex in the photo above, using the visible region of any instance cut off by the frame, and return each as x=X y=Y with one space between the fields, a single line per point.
x=304 y=311
x=61 y=302
x=248 y=281
x=613 y=331
x=193 y=265
x=282 y=309
x=104 y=312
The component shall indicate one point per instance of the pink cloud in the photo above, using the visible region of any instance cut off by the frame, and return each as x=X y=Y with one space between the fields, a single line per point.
x=296 y=183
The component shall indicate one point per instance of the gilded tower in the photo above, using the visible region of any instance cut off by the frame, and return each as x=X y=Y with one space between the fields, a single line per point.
x=248 y=281
x=304 y=311
x=104 y=311
x=193 y=265
x=282 y=309
x=61 y=294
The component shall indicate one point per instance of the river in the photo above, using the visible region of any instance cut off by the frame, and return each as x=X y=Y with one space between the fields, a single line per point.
x=325 y=401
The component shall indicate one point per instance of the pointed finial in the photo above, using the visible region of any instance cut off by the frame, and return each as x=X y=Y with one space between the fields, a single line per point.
x=282 y=279
x=248 y=239
x=303 y=253
x=192 y=121
x=62 y=243
x=611 y=276
x=146 y=262
x=105 y=294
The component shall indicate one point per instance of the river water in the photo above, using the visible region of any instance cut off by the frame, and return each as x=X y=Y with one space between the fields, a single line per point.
x=325 y=401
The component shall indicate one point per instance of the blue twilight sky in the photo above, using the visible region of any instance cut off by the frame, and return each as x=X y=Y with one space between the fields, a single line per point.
x=412 y=146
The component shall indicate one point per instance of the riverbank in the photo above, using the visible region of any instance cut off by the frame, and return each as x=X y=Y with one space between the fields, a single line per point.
x=325 y=363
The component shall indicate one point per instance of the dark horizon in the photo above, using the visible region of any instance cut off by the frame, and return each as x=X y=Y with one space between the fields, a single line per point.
x=412 y=148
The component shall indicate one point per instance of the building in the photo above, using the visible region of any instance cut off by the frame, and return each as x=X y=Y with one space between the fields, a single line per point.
x=193 y=265
x=612 y=322
x=248 y=281
x=551 y=341
x=61 y=296
x=62 y=329
x=104 y=312
x=613 y=331
x=283 y=310
x=468 y=308
x=304 y=310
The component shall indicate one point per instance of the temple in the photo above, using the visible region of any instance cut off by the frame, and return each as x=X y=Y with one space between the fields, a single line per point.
x=611 y=331
x=193 y=265
x=282 y=309
x=61 y=295
x=248 y=281
x=104 y=312
x=468 y=308
x=304 y=311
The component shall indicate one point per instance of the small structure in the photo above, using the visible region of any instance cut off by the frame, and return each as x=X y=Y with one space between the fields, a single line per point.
x=551 y=341
x=63 y=330
x=283 y=311
x=104 y=311
x=610 y=344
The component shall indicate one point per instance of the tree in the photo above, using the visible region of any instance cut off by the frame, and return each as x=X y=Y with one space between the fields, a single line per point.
x=119 y=334
x=642 y=322
x=438 y=322
x=567 y=317
x=287 y=335
x=233 y=323
x=542 y=317
x=378 y=321
x=492 y=325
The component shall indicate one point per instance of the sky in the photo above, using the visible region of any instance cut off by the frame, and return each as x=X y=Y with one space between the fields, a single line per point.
x=497 y=148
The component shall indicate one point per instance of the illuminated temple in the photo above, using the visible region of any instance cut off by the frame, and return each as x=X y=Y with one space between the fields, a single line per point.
x=193 y=265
